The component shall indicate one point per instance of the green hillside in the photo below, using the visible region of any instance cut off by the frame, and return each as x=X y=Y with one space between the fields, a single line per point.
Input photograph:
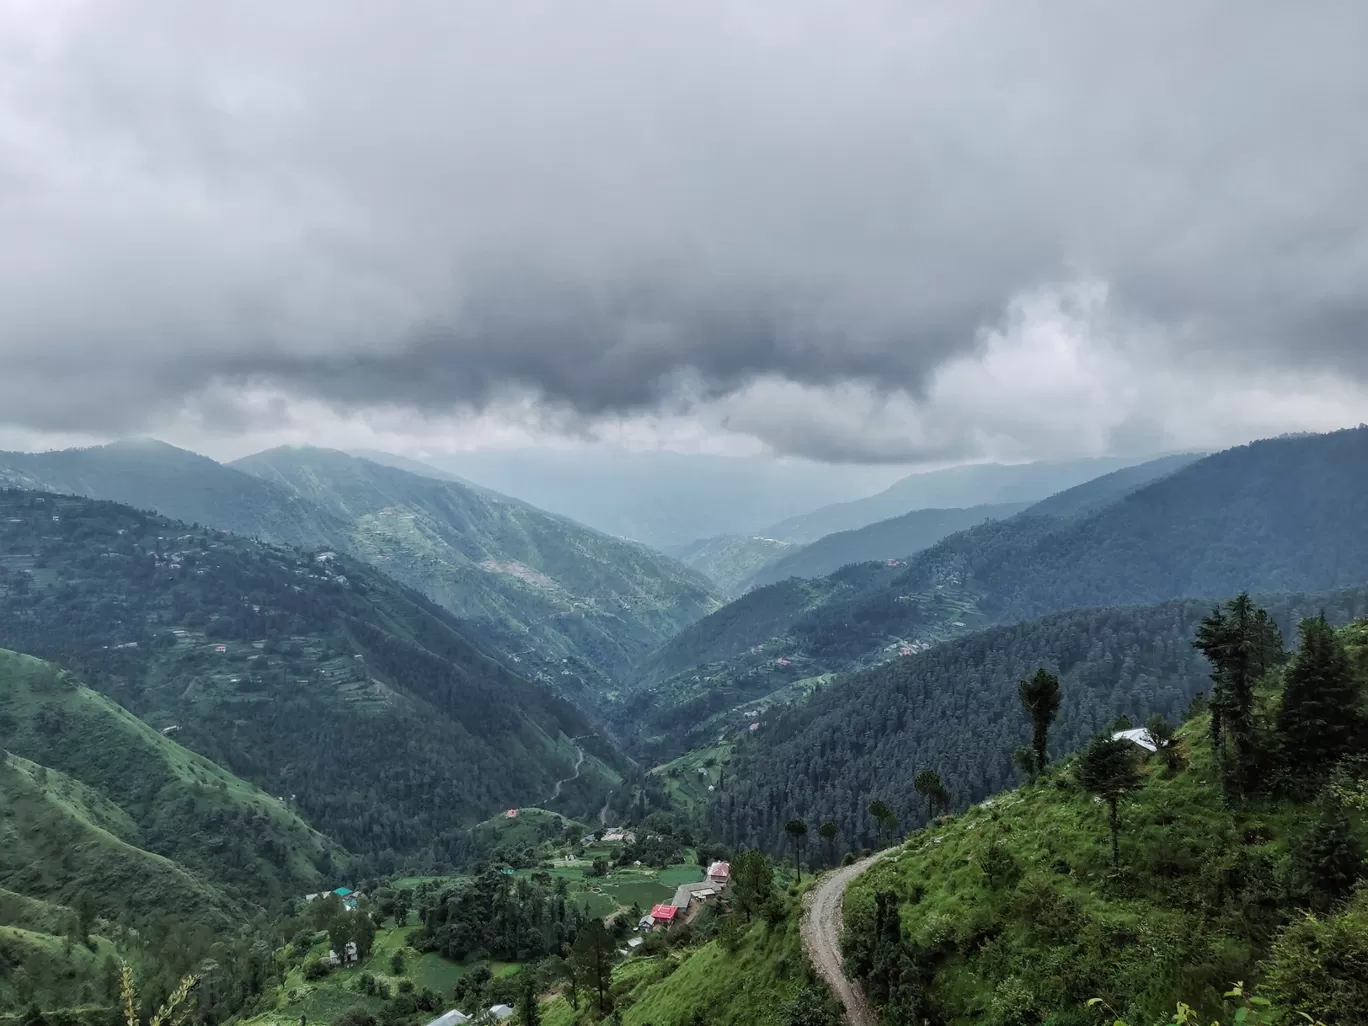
x=955 y=709
x=1277 y=515
x=1012 y=912
x=731 y=560
x=311 y=675
x=895 y=538
x=545 y=587
x=120 y=777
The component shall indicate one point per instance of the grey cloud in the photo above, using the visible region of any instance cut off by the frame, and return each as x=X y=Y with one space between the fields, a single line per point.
x=633 y=206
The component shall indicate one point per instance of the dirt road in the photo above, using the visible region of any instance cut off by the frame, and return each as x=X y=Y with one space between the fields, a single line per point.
x=579 y=761
x=822 y=938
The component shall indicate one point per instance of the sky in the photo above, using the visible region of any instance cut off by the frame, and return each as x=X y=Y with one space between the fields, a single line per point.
x=892 y=232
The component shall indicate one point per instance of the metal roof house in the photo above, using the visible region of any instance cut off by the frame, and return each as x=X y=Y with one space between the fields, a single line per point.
x=1139 y=736
x=451 y=1018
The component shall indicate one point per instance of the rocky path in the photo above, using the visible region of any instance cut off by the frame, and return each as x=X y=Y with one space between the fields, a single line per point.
x=822 y=937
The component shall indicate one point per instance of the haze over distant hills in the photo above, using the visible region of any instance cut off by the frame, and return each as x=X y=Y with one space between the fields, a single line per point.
x=665 y=499
x=953 y=488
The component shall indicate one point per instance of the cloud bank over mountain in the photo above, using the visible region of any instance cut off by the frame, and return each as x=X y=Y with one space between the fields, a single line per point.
x=900 y=232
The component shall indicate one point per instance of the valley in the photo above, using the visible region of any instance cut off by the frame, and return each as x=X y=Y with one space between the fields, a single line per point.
x=505 y=739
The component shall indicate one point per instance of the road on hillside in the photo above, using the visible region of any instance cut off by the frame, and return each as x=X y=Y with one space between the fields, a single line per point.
x=822 y=938
x=579 y=761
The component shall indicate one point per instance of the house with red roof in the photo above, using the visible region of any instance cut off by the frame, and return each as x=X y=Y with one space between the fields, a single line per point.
x=663 y=913
x=720 y=873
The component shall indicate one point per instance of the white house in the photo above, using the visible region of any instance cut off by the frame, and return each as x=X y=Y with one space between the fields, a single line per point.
x=1139 y=736
x=501 y=1012
x=451 y=1018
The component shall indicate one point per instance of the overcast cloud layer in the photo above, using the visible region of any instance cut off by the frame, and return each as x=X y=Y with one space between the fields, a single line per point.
x=884 y=231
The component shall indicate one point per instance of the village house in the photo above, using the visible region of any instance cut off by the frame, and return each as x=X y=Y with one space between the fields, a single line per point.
x=1139 y=736
x=451 y=1018
x=720 y=873
x=500 y=1012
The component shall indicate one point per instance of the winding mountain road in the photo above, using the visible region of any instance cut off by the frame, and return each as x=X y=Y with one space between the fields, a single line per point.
x=821 y=929
x=579 y=761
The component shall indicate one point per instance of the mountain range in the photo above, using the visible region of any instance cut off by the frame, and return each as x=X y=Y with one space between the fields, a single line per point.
x=563 y=599
x=1275 y=515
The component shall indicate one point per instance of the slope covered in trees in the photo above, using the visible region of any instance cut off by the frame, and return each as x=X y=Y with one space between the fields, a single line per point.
x=731 y=560
x=896 y=538
x=955 y=709
x=1031 y=906
x=539 y=584
x=313 y=676
x=1278 y=515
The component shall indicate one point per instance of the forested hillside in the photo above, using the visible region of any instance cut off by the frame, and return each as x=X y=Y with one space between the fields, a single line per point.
x=147 y=474
x=313 y=676
x=1103 y=491
x=955 y=710
x=731 y=560
x=539 y=584
x=1277 y=515
x=1220 y=868
x=895 y=538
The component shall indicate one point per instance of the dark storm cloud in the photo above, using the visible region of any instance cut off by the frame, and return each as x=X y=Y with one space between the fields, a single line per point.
x=633 y=206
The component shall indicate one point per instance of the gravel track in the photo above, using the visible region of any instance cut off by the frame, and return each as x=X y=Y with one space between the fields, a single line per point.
x=821 y=930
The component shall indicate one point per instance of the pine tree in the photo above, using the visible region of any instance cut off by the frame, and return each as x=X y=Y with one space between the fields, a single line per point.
x=797 y=831
x=1241 y=642
x=1319 y=719
x=928 y=785
x=1107 y=769
x=884 y=816
x=752 y=881
x=827 y=831
x=529 y=1011
x=1040 y=698
x=1332 y=860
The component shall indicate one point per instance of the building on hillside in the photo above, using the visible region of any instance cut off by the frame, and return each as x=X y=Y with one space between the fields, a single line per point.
x=451 y=1018
x=645 y=923
x=663 y=915
x=511 y=814
x=635 y=942
x=500 y=1012
x=588 y=838
x=1139 y=736
x=685 y=894
x=720 y=873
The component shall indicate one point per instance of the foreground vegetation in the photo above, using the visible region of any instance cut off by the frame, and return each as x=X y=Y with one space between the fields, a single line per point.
x=1014 y=912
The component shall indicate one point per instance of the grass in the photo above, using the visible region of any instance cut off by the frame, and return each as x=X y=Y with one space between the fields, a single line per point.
x=1186 y=917
x=746 y=988
x=51 y=971
x=325 y=999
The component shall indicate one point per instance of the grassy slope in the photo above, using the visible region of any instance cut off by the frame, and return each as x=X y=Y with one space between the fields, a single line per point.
x=143 y=788
x=745 y=988
x=50 y=971
x=1067 y=930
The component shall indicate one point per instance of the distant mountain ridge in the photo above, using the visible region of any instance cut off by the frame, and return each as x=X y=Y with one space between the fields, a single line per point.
x=542 y=588
x=954 y=488
x=1281 y=515
x=896 y=538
